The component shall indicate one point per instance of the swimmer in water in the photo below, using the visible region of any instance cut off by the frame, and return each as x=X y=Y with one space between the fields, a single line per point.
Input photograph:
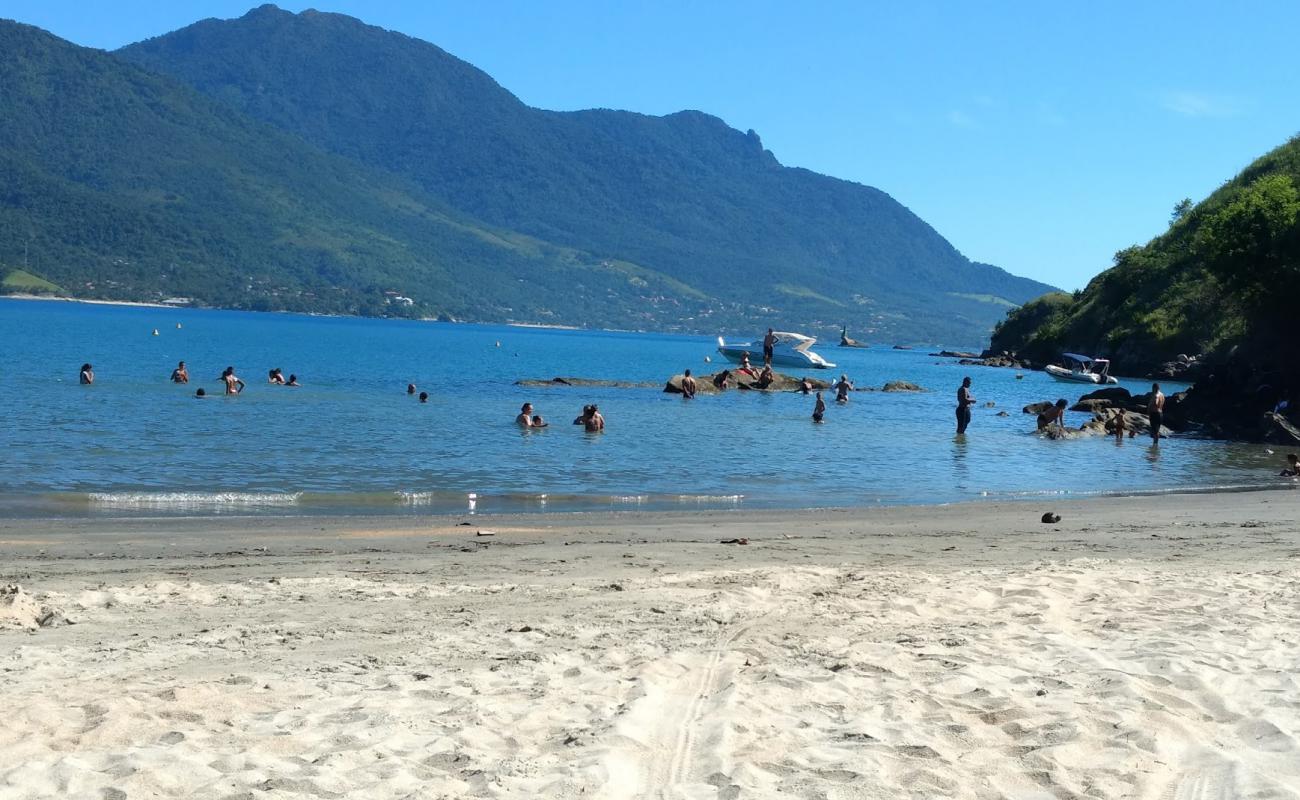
x=819 y=410
x=525 y=418
x=180 y=374
x=275 y=376
x=424 y=397
x=87 y=376
x=200 y=394
x=410 y=388
x=1293 y=467
x=595 y=422
x=293 y=381
x=538 y=422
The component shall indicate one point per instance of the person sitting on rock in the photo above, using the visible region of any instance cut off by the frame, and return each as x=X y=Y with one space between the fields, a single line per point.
x=722 y=380
x=1293 y=467
x=805 y=386
x=766 y=377
x=1054 y=415
x=745 y=366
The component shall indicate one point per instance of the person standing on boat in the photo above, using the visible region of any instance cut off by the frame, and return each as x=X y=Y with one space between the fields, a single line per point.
x=769 y=345
x=964 y=401
x=1156 y=411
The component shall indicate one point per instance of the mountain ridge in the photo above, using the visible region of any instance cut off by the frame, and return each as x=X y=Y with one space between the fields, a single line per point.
x=610 y=218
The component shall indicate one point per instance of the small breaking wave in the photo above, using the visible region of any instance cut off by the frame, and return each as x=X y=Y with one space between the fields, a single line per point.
x=192 y=500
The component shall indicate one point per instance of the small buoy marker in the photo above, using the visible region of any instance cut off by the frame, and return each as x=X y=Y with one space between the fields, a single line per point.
x=155 y=331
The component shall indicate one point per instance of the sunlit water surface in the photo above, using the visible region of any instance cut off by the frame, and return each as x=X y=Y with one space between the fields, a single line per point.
x=352 y=441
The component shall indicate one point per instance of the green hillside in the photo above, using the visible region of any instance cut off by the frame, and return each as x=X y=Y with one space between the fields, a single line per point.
x=118 y=183
x=683 y=195
x=1226 y=273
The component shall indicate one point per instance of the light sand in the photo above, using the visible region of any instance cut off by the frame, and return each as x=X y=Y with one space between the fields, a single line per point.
x=1140 y=648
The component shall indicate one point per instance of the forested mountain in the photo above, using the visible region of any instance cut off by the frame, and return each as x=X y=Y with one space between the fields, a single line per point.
x=312 y=162
x=682 y=194
x=120 y=183
x=1226 y=273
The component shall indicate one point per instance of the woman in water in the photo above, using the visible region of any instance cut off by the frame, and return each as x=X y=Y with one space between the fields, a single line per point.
x=87 y=375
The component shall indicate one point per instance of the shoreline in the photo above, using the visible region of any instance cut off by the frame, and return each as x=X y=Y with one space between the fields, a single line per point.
x=196 y=507
x=1141 y=647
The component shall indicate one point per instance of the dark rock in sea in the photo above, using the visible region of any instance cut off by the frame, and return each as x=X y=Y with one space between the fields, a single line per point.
x=901 y=386
x=739 y=380
x=845 y=341
x=1003 y=414
x=1038 y=408
x=955 y=354
x=1093 y=405
x=538 y=383
x=1116 y=395
x=902 y=347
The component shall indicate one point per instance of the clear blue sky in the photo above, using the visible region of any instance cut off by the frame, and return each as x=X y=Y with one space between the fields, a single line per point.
x=1041 y=137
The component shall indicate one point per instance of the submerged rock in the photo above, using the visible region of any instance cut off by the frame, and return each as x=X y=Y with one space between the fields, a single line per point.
x=901 y=386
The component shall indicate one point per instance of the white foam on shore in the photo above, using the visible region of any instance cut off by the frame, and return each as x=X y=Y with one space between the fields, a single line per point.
x=192 y=500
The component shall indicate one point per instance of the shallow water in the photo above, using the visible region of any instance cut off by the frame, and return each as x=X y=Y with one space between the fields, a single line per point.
x=351 y=440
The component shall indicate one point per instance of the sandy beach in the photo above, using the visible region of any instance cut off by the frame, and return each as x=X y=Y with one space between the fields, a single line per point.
x=1141 y=647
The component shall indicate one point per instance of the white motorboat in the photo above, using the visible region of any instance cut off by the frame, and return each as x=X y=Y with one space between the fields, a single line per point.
x=1082 y=369
x=790 y=350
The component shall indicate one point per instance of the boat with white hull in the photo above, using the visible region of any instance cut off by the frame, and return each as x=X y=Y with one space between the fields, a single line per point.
x=1082 y=369
x=790 y=350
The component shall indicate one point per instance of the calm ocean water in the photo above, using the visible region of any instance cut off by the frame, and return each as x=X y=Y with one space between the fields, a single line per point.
x=351 y=440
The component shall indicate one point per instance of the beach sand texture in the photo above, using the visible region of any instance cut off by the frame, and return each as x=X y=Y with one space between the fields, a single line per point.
x=1143 y=647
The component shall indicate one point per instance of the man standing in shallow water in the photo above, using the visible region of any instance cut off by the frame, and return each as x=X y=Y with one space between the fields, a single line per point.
x=964 y=402
x=1156 y=411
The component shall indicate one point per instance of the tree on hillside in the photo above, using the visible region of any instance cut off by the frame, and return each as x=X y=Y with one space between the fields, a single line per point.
x=1181 y=210
x=1250 y=243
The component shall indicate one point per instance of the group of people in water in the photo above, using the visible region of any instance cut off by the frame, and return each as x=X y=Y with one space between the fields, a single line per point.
x=231 y=383
x=1052 y=418
x=590 y=419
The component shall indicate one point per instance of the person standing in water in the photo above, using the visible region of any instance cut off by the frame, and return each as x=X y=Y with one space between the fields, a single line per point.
x=233 y=384
x=819 y=410
x=688 y=386
x=964 y=401
x=525 y=418
x=769 y=345
x=842 y=388
x=594 y=422
x=180 y=374
x=1156 y=411
x=87 y=376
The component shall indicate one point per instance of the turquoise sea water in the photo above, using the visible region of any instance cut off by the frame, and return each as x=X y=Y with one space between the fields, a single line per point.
x=351 y=440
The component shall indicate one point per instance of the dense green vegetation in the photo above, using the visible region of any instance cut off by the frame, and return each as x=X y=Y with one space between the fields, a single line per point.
x=1225 y=274
x=684 y=195
x=312 y=163
x=122 y=184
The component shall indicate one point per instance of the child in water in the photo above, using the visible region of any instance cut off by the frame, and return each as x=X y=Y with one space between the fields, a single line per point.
x=819 y=410
x=1293 y=467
